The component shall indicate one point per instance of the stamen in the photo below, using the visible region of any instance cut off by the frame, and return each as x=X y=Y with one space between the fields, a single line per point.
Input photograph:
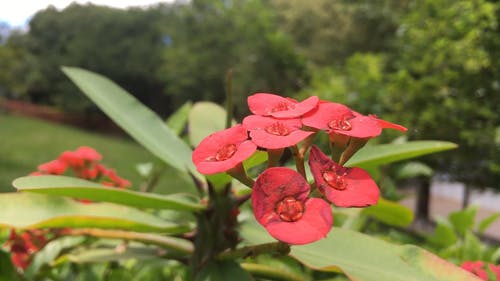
x=225 y=152
x=335 y=180
x=282 y=106
x=340 y=124
x=290 y=209
x=277 y=129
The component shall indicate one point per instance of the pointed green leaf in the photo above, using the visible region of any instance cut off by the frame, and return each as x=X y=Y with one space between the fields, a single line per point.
x=364 y=258
x=485 y=223
x=111 y=254
x=25 y=210
x=82 y=189
x=374 y=155
x=136 y=119
x=205 y=118
x=463 y=220
x=391 y=213
x=444 y=235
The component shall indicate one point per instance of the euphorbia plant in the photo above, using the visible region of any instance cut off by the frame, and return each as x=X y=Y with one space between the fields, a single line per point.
x=223 y=242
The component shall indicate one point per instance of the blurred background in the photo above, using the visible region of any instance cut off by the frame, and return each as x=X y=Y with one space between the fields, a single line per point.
x=433 y=66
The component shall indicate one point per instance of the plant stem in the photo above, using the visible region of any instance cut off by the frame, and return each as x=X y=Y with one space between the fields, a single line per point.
x=274 y=156
x=299 y=161
x=241 y=175
x=270 y=272
x=229 y=96
x=273 y=247
x=172 y=243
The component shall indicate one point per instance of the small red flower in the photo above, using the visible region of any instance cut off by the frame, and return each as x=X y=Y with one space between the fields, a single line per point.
x=496 y=270
x=339 y=119
x=281 y=204
x=80 y=157
x=271 y=133
x=344 y=187
x=223 y=150
x=477 y=268
x=22 y=247
x=54 y=167
x=279 y=107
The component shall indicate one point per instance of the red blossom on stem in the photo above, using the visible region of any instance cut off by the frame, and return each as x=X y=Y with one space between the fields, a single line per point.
x=281 y=204
x=271 y=133
x=336 y=118
x=54 y=167
x=80 y=157
x=477 y=268
x=24 y=245
x=344 y=187
x=223 y=150
x=266 y=104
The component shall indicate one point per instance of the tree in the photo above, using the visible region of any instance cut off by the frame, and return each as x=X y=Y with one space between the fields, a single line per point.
x=210 y=37
x=444 y=83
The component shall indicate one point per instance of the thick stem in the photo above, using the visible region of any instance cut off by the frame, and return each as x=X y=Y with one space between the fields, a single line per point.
x=241 y=175
x=338 y=144
x=172 y=243
x=274 y=156
x=299 y=161
x=354 y=145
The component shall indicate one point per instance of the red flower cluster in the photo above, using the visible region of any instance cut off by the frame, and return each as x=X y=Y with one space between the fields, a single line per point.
x=280 y=196
x=480 y=269
x=84 y=163
x=24 y=245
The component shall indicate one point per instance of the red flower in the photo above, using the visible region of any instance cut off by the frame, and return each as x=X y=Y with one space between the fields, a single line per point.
x=338 y=118
x=279 y=107
x=344 y=187
x=54 y=167
x=223 y=150
x=280 y=204
x=23 y=246
x=271 y=133
x=80 y=157
x=496 y=270
x=476 y=267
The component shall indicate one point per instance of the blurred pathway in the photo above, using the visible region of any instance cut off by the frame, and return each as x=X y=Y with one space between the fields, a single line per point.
x=447 y=197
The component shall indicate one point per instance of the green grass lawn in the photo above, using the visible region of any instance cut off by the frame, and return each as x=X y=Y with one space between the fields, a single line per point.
x=25 y=143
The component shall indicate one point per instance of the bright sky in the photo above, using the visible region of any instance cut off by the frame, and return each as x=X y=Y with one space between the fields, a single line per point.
x=18 y=12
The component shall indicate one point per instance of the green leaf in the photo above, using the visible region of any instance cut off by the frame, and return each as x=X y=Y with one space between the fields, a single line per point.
x=485 y=223
x=110 y=254
x=413 y=169
x=25 y=210
x=463 y=220
x=223 y=271
x=137 y=120
x=444 y=235
x=205 y=118
x=375 y=155
x=177 y=121
x=364 y=258
x=82 y=189
x=391 y=213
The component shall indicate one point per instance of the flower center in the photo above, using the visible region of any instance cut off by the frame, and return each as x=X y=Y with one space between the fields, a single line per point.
x=278 y=129
x=335 y=180
x=282 y=106
x=225 y=152
x=290 y=209
x=340 y=124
